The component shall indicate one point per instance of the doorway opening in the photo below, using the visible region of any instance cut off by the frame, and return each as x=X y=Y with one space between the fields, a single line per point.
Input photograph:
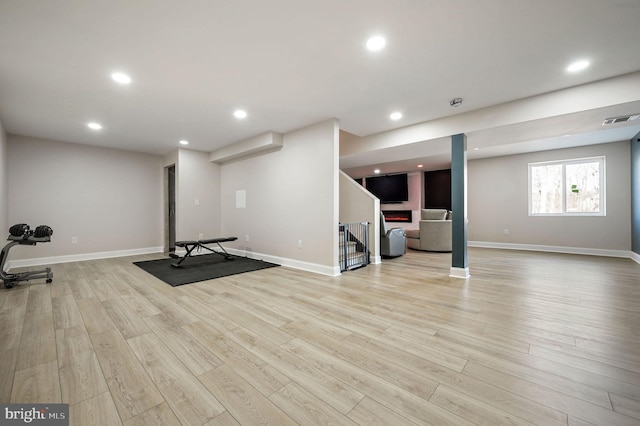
x=170 y=209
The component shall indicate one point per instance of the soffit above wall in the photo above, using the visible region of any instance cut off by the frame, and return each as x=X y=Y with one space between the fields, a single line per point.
x=264 y=143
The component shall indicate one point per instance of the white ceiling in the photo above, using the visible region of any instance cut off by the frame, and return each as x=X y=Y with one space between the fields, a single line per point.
x=291 y=63
x=556 y=132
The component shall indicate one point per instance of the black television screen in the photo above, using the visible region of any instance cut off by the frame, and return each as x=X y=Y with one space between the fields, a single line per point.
x=389 y=188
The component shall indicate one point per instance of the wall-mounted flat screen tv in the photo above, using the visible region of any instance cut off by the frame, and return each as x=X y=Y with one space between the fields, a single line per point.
x=389 y=188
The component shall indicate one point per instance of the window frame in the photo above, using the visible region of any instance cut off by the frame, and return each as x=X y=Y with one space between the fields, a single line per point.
x=603 y=182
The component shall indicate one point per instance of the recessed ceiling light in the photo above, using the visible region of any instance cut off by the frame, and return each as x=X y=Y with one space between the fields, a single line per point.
x=376 y=43
x=240 y=113
x=420 y=166
x=376 y=171
x=578 y=66
x=396 y=116
x=94 y=126
x=121 y=78
x=184 y=142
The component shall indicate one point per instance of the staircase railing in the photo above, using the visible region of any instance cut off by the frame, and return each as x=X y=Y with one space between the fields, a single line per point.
x=354 y=245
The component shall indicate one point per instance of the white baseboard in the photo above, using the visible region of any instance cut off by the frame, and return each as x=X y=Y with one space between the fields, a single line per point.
x=19 y=263
x=290 y=263
x=553 y=249
x=314 y=267
x=456 y=272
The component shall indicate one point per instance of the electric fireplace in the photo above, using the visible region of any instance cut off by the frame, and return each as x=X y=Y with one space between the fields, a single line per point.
x=397 y=215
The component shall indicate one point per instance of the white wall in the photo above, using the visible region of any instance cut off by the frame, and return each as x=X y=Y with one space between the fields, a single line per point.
x=498 y=200
x=197 y=179
x=359 y=205
x=291 y=196
x=4 y=184
x=111 y=200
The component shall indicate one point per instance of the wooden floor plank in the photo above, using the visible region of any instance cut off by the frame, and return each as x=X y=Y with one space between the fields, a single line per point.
x=548 y=397
x=66 y=313
x=251 y=322
x=201 y=305
x=8 y=360
x=525 y=369
x=12 y=321
x=391 y=363
x=370 y=412
x=80 y=287
x=125 y=319
x=224 y=419
x=37 y=341
x=37 y=385
x=402 y=402
x=264 y=377
x=184 y=393
x=187 y=349
x=305 y=408
x=97 y=411
x=586 y=363
x=435 y=373
x=104 y=288
x=540 y=338
x=626 y=406
x=94 y=316
x=154 y=416
x=132 y=390
x=242 y=400
x=15 y=298
x=472 y=409
x=140 y=305
x=80 y=374
x=39 y=300
x=340 y=396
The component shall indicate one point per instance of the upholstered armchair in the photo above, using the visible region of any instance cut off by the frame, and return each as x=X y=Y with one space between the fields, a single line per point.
x=393 y=242
x=434 y=233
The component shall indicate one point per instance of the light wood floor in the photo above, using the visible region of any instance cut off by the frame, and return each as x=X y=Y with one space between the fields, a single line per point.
x=530 y=338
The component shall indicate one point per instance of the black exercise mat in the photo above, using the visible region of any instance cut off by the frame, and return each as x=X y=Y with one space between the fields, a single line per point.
x=201 y=268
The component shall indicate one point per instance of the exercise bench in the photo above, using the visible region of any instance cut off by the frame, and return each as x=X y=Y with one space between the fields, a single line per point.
x=21 y=234
x=190 y=246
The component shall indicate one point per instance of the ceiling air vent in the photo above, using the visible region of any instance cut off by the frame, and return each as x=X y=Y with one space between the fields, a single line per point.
x=621 y=119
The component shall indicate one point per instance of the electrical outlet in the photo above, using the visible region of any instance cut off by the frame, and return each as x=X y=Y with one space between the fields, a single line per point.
x=74 y=240
x=506 y=231
x=246 y=238
x=299 y=244
x=197 y=201
x=201 y=236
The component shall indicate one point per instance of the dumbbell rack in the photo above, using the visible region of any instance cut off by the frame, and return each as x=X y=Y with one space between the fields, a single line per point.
x=29 y=238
